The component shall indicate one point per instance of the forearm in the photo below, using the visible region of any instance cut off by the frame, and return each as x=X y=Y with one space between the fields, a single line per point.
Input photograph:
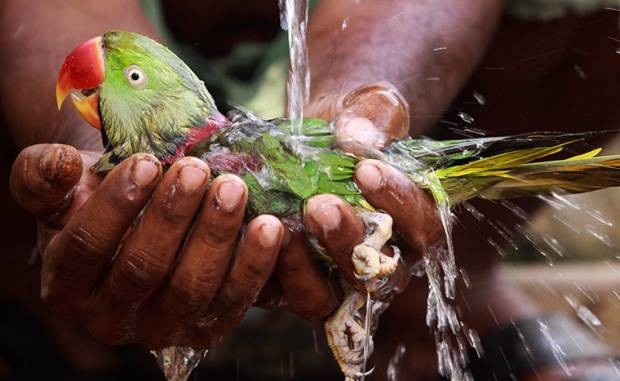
x=427 y=49
x=34 y=39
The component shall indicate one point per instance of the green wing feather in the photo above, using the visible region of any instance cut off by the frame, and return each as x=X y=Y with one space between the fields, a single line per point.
x=453 y=171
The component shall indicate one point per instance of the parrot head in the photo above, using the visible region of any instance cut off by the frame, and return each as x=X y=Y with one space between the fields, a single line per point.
x=140 y=95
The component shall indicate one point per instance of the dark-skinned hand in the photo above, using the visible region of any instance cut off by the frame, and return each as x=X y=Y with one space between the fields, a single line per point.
x=168 y=277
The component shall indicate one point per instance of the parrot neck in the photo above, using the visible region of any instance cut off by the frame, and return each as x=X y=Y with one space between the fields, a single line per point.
x=214 y=123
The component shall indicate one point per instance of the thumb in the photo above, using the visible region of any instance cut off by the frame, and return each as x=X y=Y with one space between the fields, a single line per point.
x=43 y=176
x=373 y=116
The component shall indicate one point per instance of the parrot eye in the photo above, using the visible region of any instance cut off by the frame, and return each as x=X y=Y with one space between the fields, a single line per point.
x=136 y=76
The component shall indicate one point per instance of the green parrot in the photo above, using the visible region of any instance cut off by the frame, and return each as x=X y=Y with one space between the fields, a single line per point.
x=143 y=98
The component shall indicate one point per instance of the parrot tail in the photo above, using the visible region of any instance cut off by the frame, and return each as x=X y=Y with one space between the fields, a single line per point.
x=518 y=173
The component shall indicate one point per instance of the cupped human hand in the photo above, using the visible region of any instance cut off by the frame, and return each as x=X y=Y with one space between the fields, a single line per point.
x=369 y=118
x=141 y=255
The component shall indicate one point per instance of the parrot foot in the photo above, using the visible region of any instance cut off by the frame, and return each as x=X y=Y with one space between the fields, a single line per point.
x=349 y=330
x=347 y=337
x=369 y=262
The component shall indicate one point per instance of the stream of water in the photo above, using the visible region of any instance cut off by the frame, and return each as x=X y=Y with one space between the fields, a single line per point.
x=294 y=19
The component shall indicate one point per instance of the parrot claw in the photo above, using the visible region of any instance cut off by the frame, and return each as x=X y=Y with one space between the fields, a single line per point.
x=349 y=330
x=347 y=337
x=369 y=262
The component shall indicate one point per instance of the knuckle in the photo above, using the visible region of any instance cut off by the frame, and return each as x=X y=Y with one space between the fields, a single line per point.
x=140 y=269
x=237 y=300
x=220 y=232
x=172 y=212
x=193 y=288
x=258 y=269
x=82 y=242
x=213 y=245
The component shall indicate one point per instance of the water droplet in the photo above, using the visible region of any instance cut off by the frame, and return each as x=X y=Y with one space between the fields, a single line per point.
x=479 y=98
x=473 y=211
x=465 y=117
x=597 y=215
x=465 y=278
x=584 y=313
x=603 y=237
x=474 y=342
x=580 y=72
x=497 y=247
x=392 y=370
x=316 y=342
x=448 y=122
x=515 y=209
x=177 y=363
x=132 y=192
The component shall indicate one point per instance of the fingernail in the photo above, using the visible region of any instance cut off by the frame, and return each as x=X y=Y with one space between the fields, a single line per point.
x=362 y=131
x=269 y=235
x=326 y=215
x=369 y=177
x=192 y=178
x=51 y=164
x=229 y=195
x=144 y=172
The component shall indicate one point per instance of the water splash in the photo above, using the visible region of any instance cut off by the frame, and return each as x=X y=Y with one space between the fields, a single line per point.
x=473 y=211
x=294 y=19
x=465 y=117
x=479 y=98
x=177 y=363
x=441 y=315
x=584 y=314
x=557 y=350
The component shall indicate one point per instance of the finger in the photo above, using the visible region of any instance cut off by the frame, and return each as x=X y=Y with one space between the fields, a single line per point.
x=338 y=229
x=147 y=255
x=54 y=221
x=253 y=265
x=307 y=291
x=271 y=295
x=413 y=210
x=372 y=117
x=43 y=176
x=204 y=261
x=76 y=257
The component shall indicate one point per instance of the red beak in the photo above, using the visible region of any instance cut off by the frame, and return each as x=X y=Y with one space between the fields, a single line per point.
x=80 y=76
